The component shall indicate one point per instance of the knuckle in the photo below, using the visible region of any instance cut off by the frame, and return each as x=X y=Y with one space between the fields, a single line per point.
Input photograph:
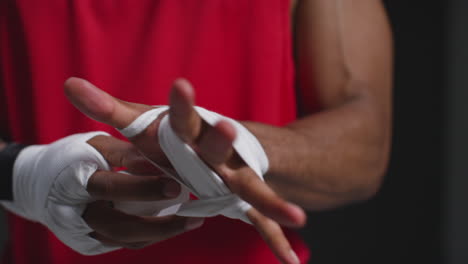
x=243 y=184
x=151 y=188
x=113 y=157
x=122 y=159
x=127 y=156
x=132 y=160
x=256 y=221
x=108 y=185
x=172 y=227
x=229 y=177
x=274 y=228
x=274 y=234
x=117 y=232
x=92 y=214
x=114 y=227
x=101 y=186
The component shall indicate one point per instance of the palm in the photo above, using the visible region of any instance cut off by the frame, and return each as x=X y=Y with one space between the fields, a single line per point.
x=212 y=143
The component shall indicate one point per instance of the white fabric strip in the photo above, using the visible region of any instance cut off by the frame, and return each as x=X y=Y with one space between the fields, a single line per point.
x=49 y=186
x=214 y=197
x=49 y=181
x=142 y=122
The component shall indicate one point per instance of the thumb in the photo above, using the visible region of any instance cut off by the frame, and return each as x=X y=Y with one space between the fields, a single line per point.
x=99 y=105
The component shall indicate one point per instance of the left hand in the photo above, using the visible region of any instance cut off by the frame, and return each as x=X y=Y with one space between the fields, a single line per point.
x=212 y=143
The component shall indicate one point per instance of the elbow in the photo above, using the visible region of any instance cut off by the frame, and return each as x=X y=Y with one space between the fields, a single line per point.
x=359 y=184
x=371 y=164
x=372 y=174
x=368 y=189
x=364 y=176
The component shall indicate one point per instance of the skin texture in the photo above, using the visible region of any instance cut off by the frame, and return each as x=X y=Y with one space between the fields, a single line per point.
x=108 y=186
x=340 y=154
x=214 y=146
x=324 y=160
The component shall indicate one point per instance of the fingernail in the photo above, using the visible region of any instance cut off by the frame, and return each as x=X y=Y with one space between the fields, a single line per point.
x=193 y=223
x=298 y=215
x=294 y=257
x=171 y=189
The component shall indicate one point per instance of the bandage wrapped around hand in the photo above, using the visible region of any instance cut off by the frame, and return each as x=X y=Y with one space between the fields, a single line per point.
x=49 y=186
x=214 y=196
x=49 y=181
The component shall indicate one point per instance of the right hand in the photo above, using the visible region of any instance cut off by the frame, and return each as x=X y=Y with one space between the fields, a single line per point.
x=268 y=209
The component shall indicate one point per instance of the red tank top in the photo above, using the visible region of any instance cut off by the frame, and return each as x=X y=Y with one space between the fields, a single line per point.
x=237 y=54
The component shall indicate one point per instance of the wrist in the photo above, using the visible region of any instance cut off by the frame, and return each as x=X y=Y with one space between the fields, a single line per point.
x=277 y=143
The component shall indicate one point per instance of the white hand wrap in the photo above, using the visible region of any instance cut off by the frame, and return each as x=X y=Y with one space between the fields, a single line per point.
x=49 y=186
x=214 y=197
x=49 y=181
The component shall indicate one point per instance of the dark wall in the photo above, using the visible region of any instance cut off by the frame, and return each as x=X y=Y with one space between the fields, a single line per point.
x=455 y=211
x=402 y=224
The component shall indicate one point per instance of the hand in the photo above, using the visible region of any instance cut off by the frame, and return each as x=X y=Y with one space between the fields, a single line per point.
x=53 y=183
x=213 y=144
x=144 y=184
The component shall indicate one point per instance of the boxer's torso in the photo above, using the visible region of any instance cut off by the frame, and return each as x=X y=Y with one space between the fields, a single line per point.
x=237 y=54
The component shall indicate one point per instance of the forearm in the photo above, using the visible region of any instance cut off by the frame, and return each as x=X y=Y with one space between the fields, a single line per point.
x=330 y=158
x=344 y=60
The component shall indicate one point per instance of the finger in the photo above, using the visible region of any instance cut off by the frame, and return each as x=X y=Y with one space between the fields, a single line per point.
x=215 y=143
x=184 y=120
x=215 y=148
x=108 y=185
x=125 y=228
x=120 y=153
x=273 y=236
x=245 y=183
x=113 y=243
x=106 y=241
x=101 y=106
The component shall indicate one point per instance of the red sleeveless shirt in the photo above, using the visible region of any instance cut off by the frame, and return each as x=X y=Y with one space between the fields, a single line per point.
x=236 y=53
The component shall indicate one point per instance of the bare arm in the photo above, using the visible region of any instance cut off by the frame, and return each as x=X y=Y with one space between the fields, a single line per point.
x=340 y=154
x=321 y=161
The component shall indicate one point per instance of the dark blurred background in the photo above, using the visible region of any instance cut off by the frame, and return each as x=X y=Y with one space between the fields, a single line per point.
x=421 y=212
